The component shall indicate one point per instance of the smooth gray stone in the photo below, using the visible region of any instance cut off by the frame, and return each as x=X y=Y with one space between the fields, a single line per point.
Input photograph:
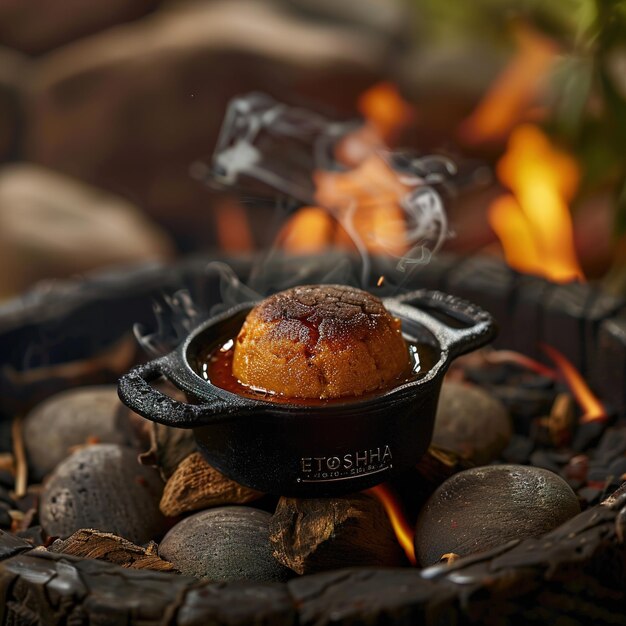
x=471 y=422
x=70 y=418
x=103 y=487
x=484 y=507
x=224 y=544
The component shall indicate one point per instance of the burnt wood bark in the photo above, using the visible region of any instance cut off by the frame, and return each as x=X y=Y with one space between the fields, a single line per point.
x=196 y=485
x=604 y=307
x=313 y=535
x=39 y=587
x=564 y=321
x=93 y=544
x=435 y=274
x=527 y=314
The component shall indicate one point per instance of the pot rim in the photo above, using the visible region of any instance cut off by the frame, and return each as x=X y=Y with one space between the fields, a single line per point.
x=218 y=405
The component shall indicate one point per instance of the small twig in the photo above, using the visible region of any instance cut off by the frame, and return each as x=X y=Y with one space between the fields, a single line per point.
x=19 y=454
x=7 y=463
x=449 y=558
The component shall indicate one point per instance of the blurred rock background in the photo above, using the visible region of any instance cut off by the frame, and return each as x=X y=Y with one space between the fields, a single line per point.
x=105 y=105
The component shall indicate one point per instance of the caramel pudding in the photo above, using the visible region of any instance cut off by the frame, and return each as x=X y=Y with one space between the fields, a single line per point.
x=315 y=343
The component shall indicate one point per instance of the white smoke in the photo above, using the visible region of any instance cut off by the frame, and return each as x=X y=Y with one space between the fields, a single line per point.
x=281 y=146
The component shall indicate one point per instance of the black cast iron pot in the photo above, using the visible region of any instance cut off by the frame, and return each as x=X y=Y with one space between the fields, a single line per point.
x=311 y=450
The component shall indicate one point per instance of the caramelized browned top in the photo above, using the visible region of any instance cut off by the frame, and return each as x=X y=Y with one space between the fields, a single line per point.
x=324 y=312
x=320 y=341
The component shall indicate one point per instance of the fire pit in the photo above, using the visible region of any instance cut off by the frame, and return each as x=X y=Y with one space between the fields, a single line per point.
x=576 y=570
x=352 y=452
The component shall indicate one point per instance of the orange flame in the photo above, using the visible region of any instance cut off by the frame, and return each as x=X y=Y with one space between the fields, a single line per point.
x=401 y=526
x=368 y=198
x=233 y=230
x=511 y=356
x=384 y=108
x=365 y=198
x=533 y=223
x=386 y=114
x=514 y=90
x=593 y=409
x=309 y=231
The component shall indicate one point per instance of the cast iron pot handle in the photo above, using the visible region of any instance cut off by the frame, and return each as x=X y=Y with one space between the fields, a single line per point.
x=481 y=328
x=135 y=391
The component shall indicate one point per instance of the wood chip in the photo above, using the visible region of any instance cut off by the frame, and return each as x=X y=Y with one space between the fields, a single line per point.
x=196 y=485
x=93 y=544
x=21 y=466
x=7 y=462
x=449 y=558
x=313 y=535
x=562 y=419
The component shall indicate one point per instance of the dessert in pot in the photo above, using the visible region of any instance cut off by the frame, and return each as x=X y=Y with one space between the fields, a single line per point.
x=319 y=391
x=317 y=342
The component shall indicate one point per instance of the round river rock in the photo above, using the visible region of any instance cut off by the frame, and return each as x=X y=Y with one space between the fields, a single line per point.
x=105 y=488
x=484 y=507
x=72 y=418
x=224 y=544
x=472 y=423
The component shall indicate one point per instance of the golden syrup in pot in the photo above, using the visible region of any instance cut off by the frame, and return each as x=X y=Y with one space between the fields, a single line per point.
x=216 y=367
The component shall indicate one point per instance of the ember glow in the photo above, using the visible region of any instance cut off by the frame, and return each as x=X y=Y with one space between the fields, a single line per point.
x=533 y=222
x=386 y=115
x=517 y=358
x=401 y=526
x=593 y=409
x=373 y=203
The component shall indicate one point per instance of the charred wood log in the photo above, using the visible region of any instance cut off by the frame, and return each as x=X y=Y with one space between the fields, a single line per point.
x=196 y=485
x=312 y=535
x=40 y=587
